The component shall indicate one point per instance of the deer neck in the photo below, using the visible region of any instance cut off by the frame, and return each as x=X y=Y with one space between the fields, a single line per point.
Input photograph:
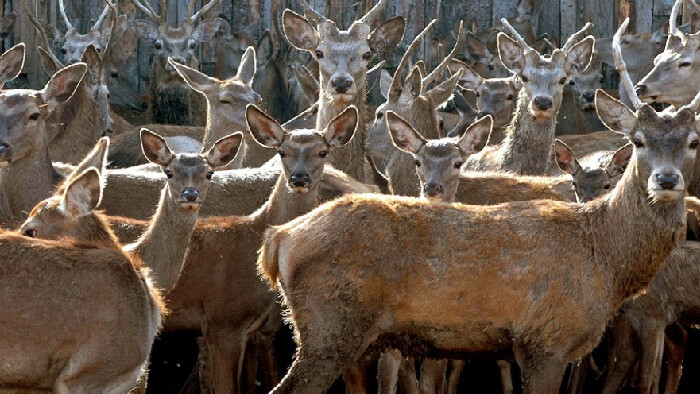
x=171 y=99
x=284 y=204
x=29 y=180
x=634 y=235
x=163 y=246
x=350 y=158
x=76 y=126
x=527 y=147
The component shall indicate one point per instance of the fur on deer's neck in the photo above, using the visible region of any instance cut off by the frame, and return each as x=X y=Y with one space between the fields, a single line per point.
x=95 y=230
x=350 y=158
x=29 y=180
x=75 y=127
x=163 y=246
x=527 y=147
x=633 y=235
x=284 y=204
x=172 y=101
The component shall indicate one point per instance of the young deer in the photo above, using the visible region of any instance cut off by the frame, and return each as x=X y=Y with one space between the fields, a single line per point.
x=172 y=102
x=417 y=103
x=95 y=300
x=527 y=147
x=343 y=56
x=549 y=315
x=28 y=175
x=577 y=114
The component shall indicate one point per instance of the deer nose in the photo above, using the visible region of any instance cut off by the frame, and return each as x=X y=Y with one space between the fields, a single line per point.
x=300 y=179
x=191 y=195
x=341 y=84
x=641 y=89
x=4 y=148
x=589 y=96
x=543 y=103
x=667 y=181
x=432 y=189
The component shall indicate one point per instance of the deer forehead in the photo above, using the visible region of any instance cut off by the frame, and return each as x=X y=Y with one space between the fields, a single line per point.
x=16 y=101
x=188 y=163
x=343 y=45
x=234 y=89
x=589 y=175
x=444 y=148
x=174 y=35
x=304 y=140
x=496 y=86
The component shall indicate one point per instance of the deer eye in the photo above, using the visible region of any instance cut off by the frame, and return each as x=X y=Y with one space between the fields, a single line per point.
x=694 y=144
x=114 y=74
x=319 y=54
x=684 y=64
x=574 y=184
x=158 y=45
x=510 y=97
x=524 y=78
x=459 y=164
x=31 y=233
x=168 y=173
x=64 y=51
x=476 y=93
x=192 y=44
x=562 y=81
x=367 y=55
x=380 y=115
x=417 y=162
x=98 y=49
x=637 y=142
x=323 y=154
x=572 y=83
x=210 y=174
x=34 y=116
x=281 y=153
x=606 y=186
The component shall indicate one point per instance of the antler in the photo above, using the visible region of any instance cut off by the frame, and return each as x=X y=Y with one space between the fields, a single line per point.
x=309 y=12
x=441 y=67
x=43 y=34
x=62 y=10
x=672 y=22
x=396 y=86
x=622 y=68
x=373 y=13
x=576 y=37
x=515 y=34
x=102 y=17
x=150 y=12
x=110 y=44
x=205 y=8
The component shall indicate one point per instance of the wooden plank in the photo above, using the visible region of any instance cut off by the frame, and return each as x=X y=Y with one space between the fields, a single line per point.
x=501 y=9
x=549 y=20
x=601 y=14
x=643 y=15
x=567 y=16
x=663 y=7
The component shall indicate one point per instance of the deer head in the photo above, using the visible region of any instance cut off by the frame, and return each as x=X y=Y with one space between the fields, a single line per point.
x=342 y=55
x=584 y=85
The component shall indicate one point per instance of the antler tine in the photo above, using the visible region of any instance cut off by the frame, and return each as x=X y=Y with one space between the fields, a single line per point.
x=622 y=68
x=149 y=11
x=695 y=5
x=672 y=25
x=373 y=13
x=110 y=44
x=694 y=105
x=42 y=33
x=515 y=34
x=309 y=12
x=102 y=17
x=441 y=67
x=62 y=10
x=396 y=86
x=203 y=10
x=576 y=37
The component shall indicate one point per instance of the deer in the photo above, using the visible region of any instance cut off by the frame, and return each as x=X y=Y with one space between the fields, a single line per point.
x=545 y=321
x=171 y=101
x=417 y=102
x=577 y=114
x=527 y=148
x=95 y=300
x=343 y=56
x=28 y=175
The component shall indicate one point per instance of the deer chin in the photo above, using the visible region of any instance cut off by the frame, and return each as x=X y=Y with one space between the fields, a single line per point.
x=342 y=98
x=300 y=189
x=191 y=206
x=435 y=198
x=4 y=164
x=665 y=195
x=541 y=115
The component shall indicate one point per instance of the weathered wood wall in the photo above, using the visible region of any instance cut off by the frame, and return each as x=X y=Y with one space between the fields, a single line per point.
x=558 y=18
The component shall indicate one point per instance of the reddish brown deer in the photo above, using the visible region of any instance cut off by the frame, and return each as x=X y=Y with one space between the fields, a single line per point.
x=545 y=319
x=95 y=300
x=172 y=102
x=527 y=148
x=343 y=56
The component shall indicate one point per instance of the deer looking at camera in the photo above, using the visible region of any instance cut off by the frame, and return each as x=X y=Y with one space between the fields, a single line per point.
x=552 y=316
x=527 y=147
x=172 y=101
x=343 y=56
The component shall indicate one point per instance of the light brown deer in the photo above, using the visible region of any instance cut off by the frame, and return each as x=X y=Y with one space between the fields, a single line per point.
x=171 y=101
x=545 y=318
x=28 y=175
x=527 y=147
x=343 y=56
x=95 y=300
x=415 y=101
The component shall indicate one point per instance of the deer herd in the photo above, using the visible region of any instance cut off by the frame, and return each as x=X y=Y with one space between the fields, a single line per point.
x=500 y=208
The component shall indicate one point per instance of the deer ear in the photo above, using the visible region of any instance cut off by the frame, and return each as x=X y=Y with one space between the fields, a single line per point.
x=266 y=131
x=224 y=150
x=62 y=85
x=206 y=30
x=145 y=28
x=619 y=161
x=248 y=66
x=477 y=50
x=580 y=55
x=91 y=58
x=342 y=128
x=565 y=158
x=155 y=148
x=511 y=54
x=470 y=79
x=403 y=135
x=97 y=158
x=48 y=62
x=83 y=194
x=388 y=35
x=265 y=48
x=440 y=93
x=299 y=31
x=194 y=79
x=614 y=115
x=11 y=63
x=414 y=82
x=385 y=83
x=477 y=135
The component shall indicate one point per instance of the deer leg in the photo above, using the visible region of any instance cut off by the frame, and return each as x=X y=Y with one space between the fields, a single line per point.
x=432 y=376
x=506 y=376
x=80 y=376
x=622 y=355
x=355 y=377
x=453 y=375
x=388 y=371
x=578 y=376
x=675 y=342
x=268 y=361
x=408 y=380
x=250 y=364
x=651 y=354
x=542 y=376
x=225 y=351
x=206 y=380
